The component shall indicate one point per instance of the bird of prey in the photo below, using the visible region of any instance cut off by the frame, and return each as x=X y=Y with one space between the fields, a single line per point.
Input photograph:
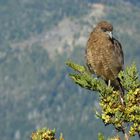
x=104 y=55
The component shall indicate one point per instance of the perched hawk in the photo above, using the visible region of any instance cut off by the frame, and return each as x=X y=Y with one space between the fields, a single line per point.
x=104 y=54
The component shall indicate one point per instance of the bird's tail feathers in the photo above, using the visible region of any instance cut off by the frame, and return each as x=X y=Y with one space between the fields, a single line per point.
x=118 y=86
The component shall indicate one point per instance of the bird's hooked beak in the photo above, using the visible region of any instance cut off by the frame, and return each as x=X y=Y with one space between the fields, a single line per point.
x=110 y=34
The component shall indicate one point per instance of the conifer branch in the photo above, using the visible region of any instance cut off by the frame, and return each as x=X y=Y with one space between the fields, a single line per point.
x=125 y=119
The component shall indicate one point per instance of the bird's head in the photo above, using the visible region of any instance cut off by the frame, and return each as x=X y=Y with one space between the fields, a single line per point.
x=105 y=27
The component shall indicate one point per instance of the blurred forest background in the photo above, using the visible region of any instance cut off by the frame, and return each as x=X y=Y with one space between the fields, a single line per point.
x=37 y=37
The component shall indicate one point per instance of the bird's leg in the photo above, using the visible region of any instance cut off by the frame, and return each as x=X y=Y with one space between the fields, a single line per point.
x=109 y=83
x=122 y=100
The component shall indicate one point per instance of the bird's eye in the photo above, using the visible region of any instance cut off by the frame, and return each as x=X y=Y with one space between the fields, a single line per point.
x=104 y=30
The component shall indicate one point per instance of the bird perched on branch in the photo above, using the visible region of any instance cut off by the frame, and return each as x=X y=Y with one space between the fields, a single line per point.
x=104 y=54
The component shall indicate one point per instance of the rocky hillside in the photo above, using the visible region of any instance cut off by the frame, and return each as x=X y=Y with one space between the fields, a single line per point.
x=37 y=38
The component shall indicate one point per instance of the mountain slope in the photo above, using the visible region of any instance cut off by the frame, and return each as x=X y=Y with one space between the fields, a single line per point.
x=37 y=38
